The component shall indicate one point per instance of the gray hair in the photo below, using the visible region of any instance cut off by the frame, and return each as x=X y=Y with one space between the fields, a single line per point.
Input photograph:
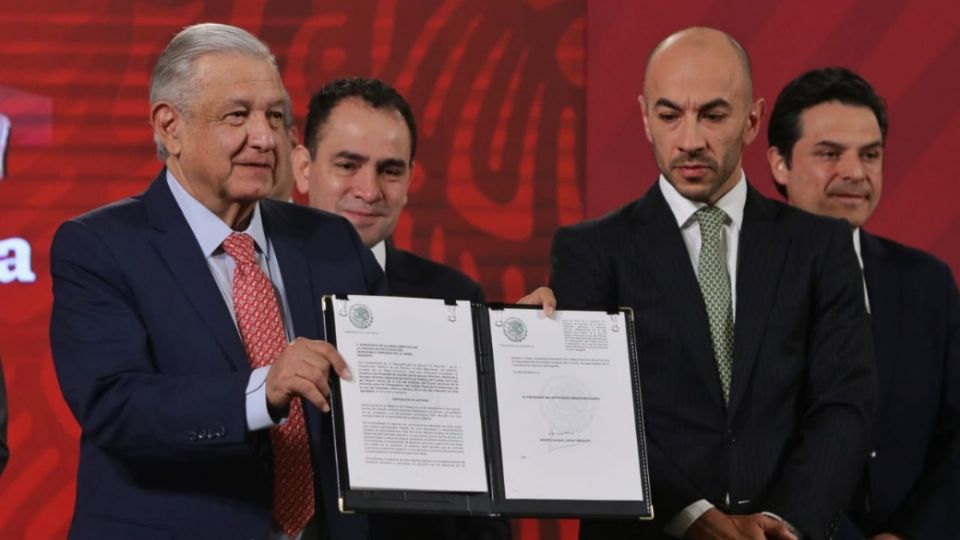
x=287 y=111
x=173 y=75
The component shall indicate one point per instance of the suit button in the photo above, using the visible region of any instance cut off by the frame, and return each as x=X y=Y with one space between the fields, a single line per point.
x=192 y=436
x=731 y=438
x=873 y=453
x=222 y=431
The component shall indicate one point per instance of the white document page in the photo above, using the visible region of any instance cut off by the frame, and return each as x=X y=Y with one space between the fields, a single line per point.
x=411 y=411
x=565 y=402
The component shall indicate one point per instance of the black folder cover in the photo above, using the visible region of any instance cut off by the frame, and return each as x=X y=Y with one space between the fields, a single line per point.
x=493 y=503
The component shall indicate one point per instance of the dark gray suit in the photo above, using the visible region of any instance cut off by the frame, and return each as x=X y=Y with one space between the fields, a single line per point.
x=795 y=435
x=912 y=482
x=409 y=274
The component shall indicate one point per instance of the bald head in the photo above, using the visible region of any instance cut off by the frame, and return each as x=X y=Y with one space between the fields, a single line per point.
x=705 y=44
x=699 y=112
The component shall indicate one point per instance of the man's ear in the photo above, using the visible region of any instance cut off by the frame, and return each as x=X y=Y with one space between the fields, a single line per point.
x=166 y=121
x=778 y=166
x=754 y=116
x=646 y=123
x=301 y=162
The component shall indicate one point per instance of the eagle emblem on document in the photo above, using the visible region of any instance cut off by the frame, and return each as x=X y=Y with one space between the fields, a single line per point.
x=515 y=329
x=361 y=316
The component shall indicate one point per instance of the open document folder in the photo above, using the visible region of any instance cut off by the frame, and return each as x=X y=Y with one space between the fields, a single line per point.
x=487 y=409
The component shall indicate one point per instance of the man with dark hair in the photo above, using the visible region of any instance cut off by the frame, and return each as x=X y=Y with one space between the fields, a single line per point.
x=827 y=136
x=186 y=329
x=360 y=141
x=752 y=338
x=357 y=161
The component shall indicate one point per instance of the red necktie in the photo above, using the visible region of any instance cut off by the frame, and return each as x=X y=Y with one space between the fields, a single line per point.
x=258 y=316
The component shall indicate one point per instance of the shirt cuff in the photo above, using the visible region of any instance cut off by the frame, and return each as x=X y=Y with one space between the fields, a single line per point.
x=677 y=527
x=258 y=416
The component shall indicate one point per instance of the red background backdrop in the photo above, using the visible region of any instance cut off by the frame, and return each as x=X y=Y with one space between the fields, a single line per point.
x=528 y=120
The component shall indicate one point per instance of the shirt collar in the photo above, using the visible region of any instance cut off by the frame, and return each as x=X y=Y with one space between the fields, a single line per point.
x=732 y=202
x=209 y=230
x=380 y=254
x=856 y=246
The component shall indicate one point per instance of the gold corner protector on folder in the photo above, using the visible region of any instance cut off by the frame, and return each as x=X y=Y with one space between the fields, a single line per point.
x=341 y=508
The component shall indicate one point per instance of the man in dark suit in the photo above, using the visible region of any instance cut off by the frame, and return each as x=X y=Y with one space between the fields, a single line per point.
x=752 y=339
x=358 y=159
x=360 y=141
x=186 y=321
x=827 y=134
x=4 y=449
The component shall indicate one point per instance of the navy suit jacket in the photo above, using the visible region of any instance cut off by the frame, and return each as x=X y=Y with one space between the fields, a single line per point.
x=152 y=366
x=794 y=436
x=912 y=480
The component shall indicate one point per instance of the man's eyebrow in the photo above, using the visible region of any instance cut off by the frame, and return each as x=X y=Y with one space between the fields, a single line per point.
x=840 y=146
x=247 y=103
x=238 y=102
x=717 y=102
x=391 y=162
x=714 y=103
x=664 y=102
x=353 y=156
x=831 y=144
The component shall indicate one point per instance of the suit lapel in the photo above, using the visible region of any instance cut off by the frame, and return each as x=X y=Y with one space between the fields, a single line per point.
x=177 y=247
x=291 y=254
x=761 y=254
x=883 y=289
x=660 y=244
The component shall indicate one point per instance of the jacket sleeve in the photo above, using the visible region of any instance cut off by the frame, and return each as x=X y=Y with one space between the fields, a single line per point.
x=582 y=276
x=112 y=380
x=839 y=396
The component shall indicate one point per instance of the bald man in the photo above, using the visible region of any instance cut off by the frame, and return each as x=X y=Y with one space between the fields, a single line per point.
x=752 y=337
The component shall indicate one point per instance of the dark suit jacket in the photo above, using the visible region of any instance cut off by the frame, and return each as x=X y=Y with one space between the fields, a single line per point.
x=4 y=449
x=417 y=277
x=912 y=479
x=794 y=437
x=153 y=368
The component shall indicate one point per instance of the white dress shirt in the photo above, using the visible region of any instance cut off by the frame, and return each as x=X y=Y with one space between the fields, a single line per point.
x=732 y=204
x=380 y=254
x=856 y=248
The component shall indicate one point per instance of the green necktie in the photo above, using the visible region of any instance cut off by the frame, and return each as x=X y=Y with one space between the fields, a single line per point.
x=715 y=288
